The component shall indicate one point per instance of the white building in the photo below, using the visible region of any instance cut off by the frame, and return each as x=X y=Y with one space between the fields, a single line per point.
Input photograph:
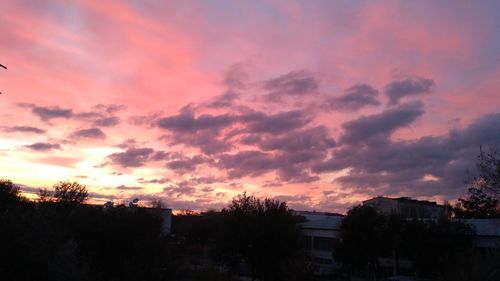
x=321 y=231
x=406 y=207
x=487 y=232
x=166 y=216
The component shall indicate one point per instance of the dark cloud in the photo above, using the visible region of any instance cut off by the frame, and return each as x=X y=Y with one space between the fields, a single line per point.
x=204 y=131
x=153 y=181
x=42 y=146
x=24 y=129
x=294 y=152
x=88 y=115
x=382 y=125
x=306 y=139
x=100 y=115
x=207 y=141
x=250 y=139
x=180 y=189
x=141 y=120
x=236 y=76
x=207 y=189
x=295 y=166
x=247 y=163
x=187 y=122
x=296 y=202
x=432 y=165
x=295 y=148
x=356 y=97
x=128 y=143
x=292 y=158
x=160 y=155
x=49 y=113
x=407 y=87
x=25 y=105
x=296 y=83
x=104 y=197
x=223 y=101
x=107 y=121
x=206 y=180
x=132 y=157
x=275 y=123
x=125 y=188
x=92 y=133
x=296 y=174
x=193 y=187
x=187 y=164
x=109 y=108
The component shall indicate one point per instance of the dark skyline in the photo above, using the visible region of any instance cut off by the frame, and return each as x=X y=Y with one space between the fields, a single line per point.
x=320 y=104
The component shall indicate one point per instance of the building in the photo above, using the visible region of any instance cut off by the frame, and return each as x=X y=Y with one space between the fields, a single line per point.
x=487 y=232
x=321 y=231
x=406 y=207
x=166 y=216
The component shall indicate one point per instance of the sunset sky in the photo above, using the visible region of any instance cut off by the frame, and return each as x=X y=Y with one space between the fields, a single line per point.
x=318 y=103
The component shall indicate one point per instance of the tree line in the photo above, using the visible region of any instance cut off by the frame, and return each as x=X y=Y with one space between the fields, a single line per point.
x=58 y=237
x=432 y=250
x=438 y=250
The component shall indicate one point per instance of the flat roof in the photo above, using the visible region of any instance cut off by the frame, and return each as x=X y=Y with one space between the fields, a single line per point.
x=484 y=227
x=329 y=223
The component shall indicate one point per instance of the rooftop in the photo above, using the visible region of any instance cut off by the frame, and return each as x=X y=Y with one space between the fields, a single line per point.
x=404 y=199
x=484 y=227
x=327 y=223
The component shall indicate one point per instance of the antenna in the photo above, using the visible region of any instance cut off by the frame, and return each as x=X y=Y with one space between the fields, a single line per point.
x=109 y=204
x=134 y=202
x=3 y=66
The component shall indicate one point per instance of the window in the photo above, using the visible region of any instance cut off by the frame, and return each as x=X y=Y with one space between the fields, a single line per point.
x=323 y=243
x=323 y=261
x=307 y=242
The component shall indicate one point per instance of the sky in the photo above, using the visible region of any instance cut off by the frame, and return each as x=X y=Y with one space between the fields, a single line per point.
x=321 y=104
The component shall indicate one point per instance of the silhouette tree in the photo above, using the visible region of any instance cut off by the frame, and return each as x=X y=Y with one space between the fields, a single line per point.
x=44 y=195
x=157 y=203
x=47 y=243
x=477 y=204
x=362 y=240
x=261 y=234
x=71 y=193
x=368 y=236
x=432 y=245
x=483 y=198
x=9 y=194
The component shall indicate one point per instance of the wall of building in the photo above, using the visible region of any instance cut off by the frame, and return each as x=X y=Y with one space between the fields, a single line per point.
x=320 y=236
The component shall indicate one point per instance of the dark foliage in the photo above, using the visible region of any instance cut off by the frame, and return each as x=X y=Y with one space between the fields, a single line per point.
x=483 y=198
x=260 y=234
x=362 y=234
x=432 y=245
x=368 y=237
x=9 y=194
x=58 y=238
x=49 y=241
x=70 y=193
